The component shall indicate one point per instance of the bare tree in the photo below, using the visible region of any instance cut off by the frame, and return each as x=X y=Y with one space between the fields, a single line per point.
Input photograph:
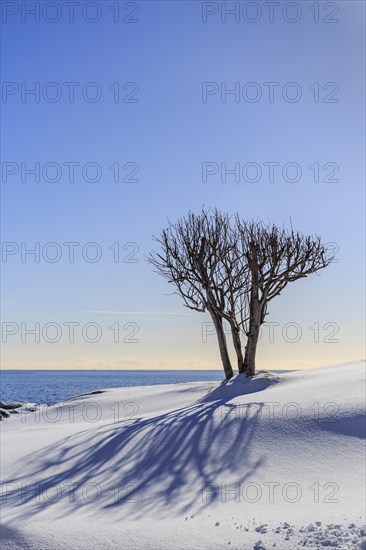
x=275 y=257
x=233 y=269
x=199 y=257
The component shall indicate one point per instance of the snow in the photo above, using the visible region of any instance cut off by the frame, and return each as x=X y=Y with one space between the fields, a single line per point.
x=273 y=462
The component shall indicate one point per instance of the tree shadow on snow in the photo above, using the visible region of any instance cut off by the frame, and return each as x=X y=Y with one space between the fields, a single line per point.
x=177 y=461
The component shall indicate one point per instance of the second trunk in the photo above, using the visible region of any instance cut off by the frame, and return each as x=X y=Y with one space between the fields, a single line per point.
x=217 y=320
x=251 y=347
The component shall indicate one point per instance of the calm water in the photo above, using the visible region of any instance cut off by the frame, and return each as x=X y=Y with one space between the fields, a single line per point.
x=50 y=386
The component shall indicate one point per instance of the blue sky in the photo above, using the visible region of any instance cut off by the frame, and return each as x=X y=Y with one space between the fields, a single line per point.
x=168 y=133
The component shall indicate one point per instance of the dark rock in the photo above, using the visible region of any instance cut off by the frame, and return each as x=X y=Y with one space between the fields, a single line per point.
x=4 y=414
x=11 y=404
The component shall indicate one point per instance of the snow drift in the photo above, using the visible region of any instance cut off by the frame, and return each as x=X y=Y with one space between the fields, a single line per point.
x=277 y=460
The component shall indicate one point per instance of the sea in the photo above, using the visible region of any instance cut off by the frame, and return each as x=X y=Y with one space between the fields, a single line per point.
x=52 y=386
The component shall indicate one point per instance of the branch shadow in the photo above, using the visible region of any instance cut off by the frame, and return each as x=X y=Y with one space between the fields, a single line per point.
x=145 y=466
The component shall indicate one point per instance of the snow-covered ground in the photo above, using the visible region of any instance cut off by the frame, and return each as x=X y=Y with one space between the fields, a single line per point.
x=273 y=462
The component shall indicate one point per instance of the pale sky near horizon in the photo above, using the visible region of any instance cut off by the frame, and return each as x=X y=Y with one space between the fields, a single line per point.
x=129 y=125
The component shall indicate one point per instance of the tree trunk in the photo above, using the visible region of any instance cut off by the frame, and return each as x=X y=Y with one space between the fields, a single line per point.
x=253 y=335
x=217 y=320
x=235 y=331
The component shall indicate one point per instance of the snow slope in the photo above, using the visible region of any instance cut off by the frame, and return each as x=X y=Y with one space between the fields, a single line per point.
x=273 y=462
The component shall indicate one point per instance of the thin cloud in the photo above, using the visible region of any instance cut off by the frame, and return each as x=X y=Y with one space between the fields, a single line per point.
x=146 y=313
